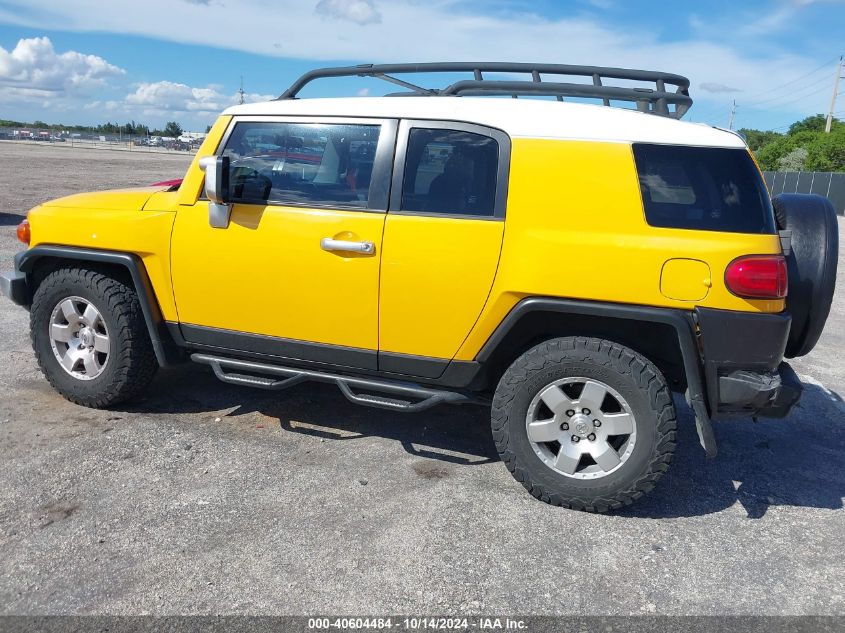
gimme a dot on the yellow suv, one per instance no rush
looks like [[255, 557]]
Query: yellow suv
[[568, 264]]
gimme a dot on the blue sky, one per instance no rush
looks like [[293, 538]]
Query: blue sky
[[86, 61]]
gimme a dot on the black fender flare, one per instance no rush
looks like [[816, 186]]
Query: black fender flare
[[166, 351], [681, 320]]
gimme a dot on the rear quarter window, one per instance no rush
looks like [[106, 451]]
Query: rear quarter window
[[703, 188]]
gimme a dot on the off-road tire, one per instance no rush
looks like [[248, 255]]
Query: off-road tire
[[811, 264], [626, 371], [132, 363]]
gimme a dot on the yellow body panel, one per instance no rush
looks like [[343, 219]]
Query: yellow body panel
[[576, 228], [267, 274], [191, 188], [114, 220], [130, 199], [436, 274]]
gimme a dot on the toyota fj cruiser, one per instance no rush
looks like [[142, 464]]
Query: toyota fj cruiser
[[568, 264]]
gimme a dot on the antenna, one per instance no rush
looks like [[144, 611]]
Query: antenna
[[733, 115], [241, 92]]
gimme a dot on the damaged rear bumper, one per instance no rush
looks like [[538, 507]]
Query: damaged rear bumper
[[769, 394], [743, 363]]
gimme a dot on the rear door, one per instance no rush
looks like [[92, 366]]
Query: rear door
[[442, 240]]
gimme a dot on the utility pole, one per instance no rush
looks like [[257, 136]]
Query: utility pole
[[241, 92], [733, 115], [830, 112]]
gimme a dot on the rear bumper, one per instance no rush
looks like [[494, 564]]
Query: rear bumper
[[744, 371], [13, 285], [770, 394]]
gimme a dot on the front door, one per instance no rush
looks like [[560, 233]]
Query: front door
[[295, 274]]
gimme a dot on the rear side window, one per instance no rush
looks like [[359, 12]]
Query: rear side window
[[703, 188], [450, 172]]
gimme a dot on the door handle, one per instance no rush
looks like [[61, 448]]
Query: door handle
[[329, 244]]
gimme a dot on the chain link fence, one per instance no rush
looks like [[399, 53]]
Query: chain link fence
[[98, 140], [824, 183]]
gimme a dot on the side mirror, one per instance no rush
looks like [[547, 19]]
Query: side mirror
[[216, 170]]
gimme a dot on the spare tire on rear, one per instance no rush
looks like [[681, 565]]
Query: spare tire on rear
[[811, 263]]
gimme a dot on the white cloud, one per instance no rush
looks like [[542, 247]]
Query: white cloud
[[717, 54], [717, 87], [441, 29], [754, 23], [34, 67], [169, 96], [358, 11], [176, 98]]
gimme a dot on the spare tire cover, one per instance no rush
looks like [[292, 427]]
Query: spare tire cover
[[812, 264]]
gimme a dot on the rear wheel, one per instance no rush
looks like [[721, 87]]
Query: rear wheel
[[584, 423], [90, 337]]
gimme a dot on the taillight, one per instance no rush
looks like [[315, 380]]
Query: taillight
[[23, 232], [758, 277]]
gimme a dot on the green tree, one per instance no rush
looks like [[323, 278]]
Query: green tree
[[794, 161], [805, 147], [172, 129], [757, 139], [813, 123], [827, 151], [137, 129], [770, 156]]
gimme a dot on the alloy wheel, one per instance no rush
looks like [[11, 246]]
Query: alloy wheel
[[581, 428]]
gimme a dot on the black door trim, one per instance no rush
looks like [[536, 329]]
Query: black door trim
[[434, 371], [290, 349]]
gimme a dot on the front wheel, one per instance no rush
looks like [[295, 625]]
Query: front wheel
[[90, 337], [584, 423]]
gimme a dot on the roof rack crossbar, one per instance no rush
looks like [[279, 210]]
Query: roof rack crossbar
[[406, 84], [669, 96]]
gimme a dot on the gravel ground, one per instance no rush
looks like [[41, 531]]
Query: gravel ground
[[205, 498]]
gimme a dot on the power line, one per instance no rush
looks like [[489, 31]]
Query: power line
[[715, 112], [801, 97], [710, 112], [753, 104], [780, 127], [797, 79]]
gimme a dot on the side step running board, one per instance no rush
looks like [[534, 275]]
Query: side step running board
[[409, 397]]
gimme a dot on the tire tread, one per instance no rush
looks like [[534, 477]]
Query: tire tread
[[134, 356], [621, 359]]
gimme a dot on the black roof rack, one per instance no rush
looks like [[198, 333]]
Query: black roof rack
[[668, 97]]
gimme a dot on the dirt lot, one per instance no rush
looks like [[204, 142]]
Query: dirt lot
[[208, 498]]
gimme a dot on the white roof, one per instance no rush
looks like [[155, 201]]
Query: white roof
[[525, 118]]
